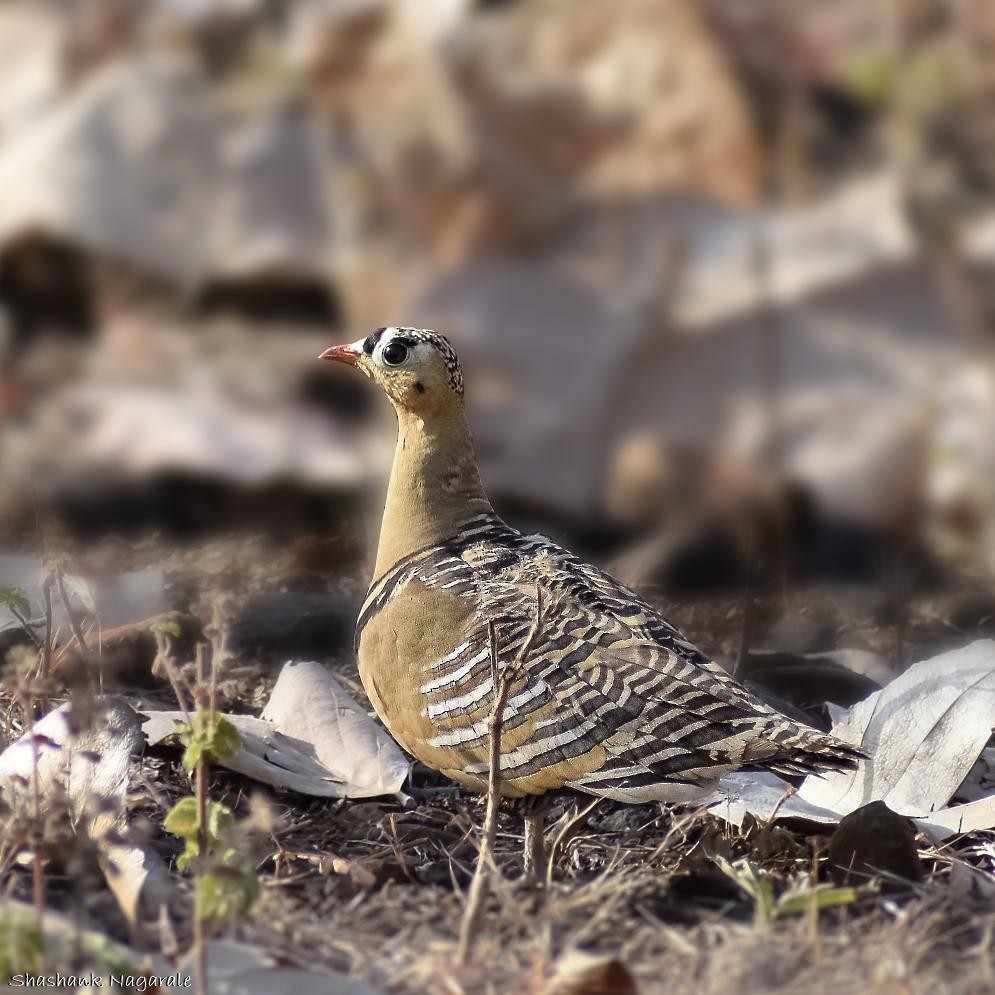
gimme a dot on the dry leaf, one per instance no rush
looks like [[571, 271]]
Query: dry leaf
[[86, 760], [312, 738], [761, 795], [239, 969], [362, 877], [309, 701], [580, 973], [90, 763], [923, 734], [980, 781], [232, 968]]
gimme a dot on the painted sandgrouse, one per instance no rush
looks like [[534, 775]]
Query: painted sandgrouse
[[612, 699]]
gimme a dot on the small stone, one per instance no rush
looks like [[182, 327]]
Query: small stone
[[294, 624], [871, 841], [972, 612], [801, 634]]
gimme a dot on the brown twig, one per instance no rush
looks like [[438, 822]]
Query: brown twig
[[164, 659], [790, 791], [485, 861], [200, 792], [199, 922], [74, 625], [38, 877], [46, 648]]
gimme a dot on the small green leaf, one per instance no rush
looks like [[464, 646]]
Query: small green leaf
[[14, 599], [208, 737], [22, 948], [872, 77], [225, 741], [220, 821], [227, 894], [821, 897], [192, 754], [169, 627], [182, 818], [755, 883]]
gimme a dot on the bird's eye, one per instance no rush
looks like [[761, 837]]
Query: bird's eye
[[394, 353]]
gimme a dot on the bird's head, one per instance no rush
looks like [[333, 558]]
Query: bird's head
[[416, 368]]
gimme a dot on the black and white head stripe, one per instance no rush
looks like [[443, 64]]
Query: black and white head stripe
[[411, 337]]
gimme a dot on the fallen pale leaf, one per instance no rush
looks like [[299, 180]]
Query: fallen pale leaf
[[239, 969], [86, 759], [923, 733], [580, 973], [309, 701], [232, 968], [312, 738]]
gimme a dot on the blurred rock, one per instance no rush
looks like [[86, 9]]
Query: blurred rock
[[125, 168], [579, 972], [541, 416], [873, 841], [134, 433], [294, 625], [612, 96], [800, 634], [807, 682], [137, 172], [493, 132], [124, 655], [272, 224], [657, 480], [962, 479], [865, 459], [109, 600], [680, 565], [29, 65], [412, 159], [972, 612]]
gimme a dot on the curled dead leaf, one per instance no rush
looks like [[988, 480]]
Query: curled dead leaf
[[580, 973]]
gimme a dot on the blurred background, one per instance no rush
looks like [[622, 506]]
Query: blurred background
[[719, 272]]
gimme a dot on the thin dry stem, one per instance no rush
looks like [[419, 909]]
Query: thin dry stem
[[163, 658], [75, 626], [46, 648], [199, 924], [485, 862]]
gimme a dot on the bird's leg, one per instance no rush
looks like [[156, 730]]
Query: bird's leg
[[534, 808]]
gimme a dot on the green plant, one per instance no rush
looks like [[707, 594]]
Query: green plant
[[768, 906], [226, 884], [207, 736], [22, 949], [14, 600]]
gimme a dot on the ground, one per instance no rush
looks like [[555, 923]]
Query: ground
[[376, 888]]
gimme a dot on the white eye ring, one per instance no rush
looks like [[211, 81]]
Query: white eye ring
[[395, 353]]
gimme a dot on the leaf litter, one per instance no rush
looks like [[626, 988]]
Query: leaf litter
[[84, 762], [311, 737], [624, 876], [923, 734]]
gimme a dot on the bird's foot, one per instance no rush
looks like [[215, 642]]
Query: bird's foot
[[536, 858]]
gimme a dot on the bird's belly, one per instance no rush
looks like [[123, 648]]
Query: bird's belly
[[399, 648], [408, 653]]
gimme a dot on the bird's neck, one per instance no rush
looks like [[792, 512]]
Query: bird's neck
[[434, 485]]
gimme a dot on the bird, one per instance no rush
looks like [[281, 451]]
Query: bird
[[605, 696]]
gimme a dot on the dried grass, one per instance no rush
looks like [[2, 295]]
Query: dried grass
[[379, 890]]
